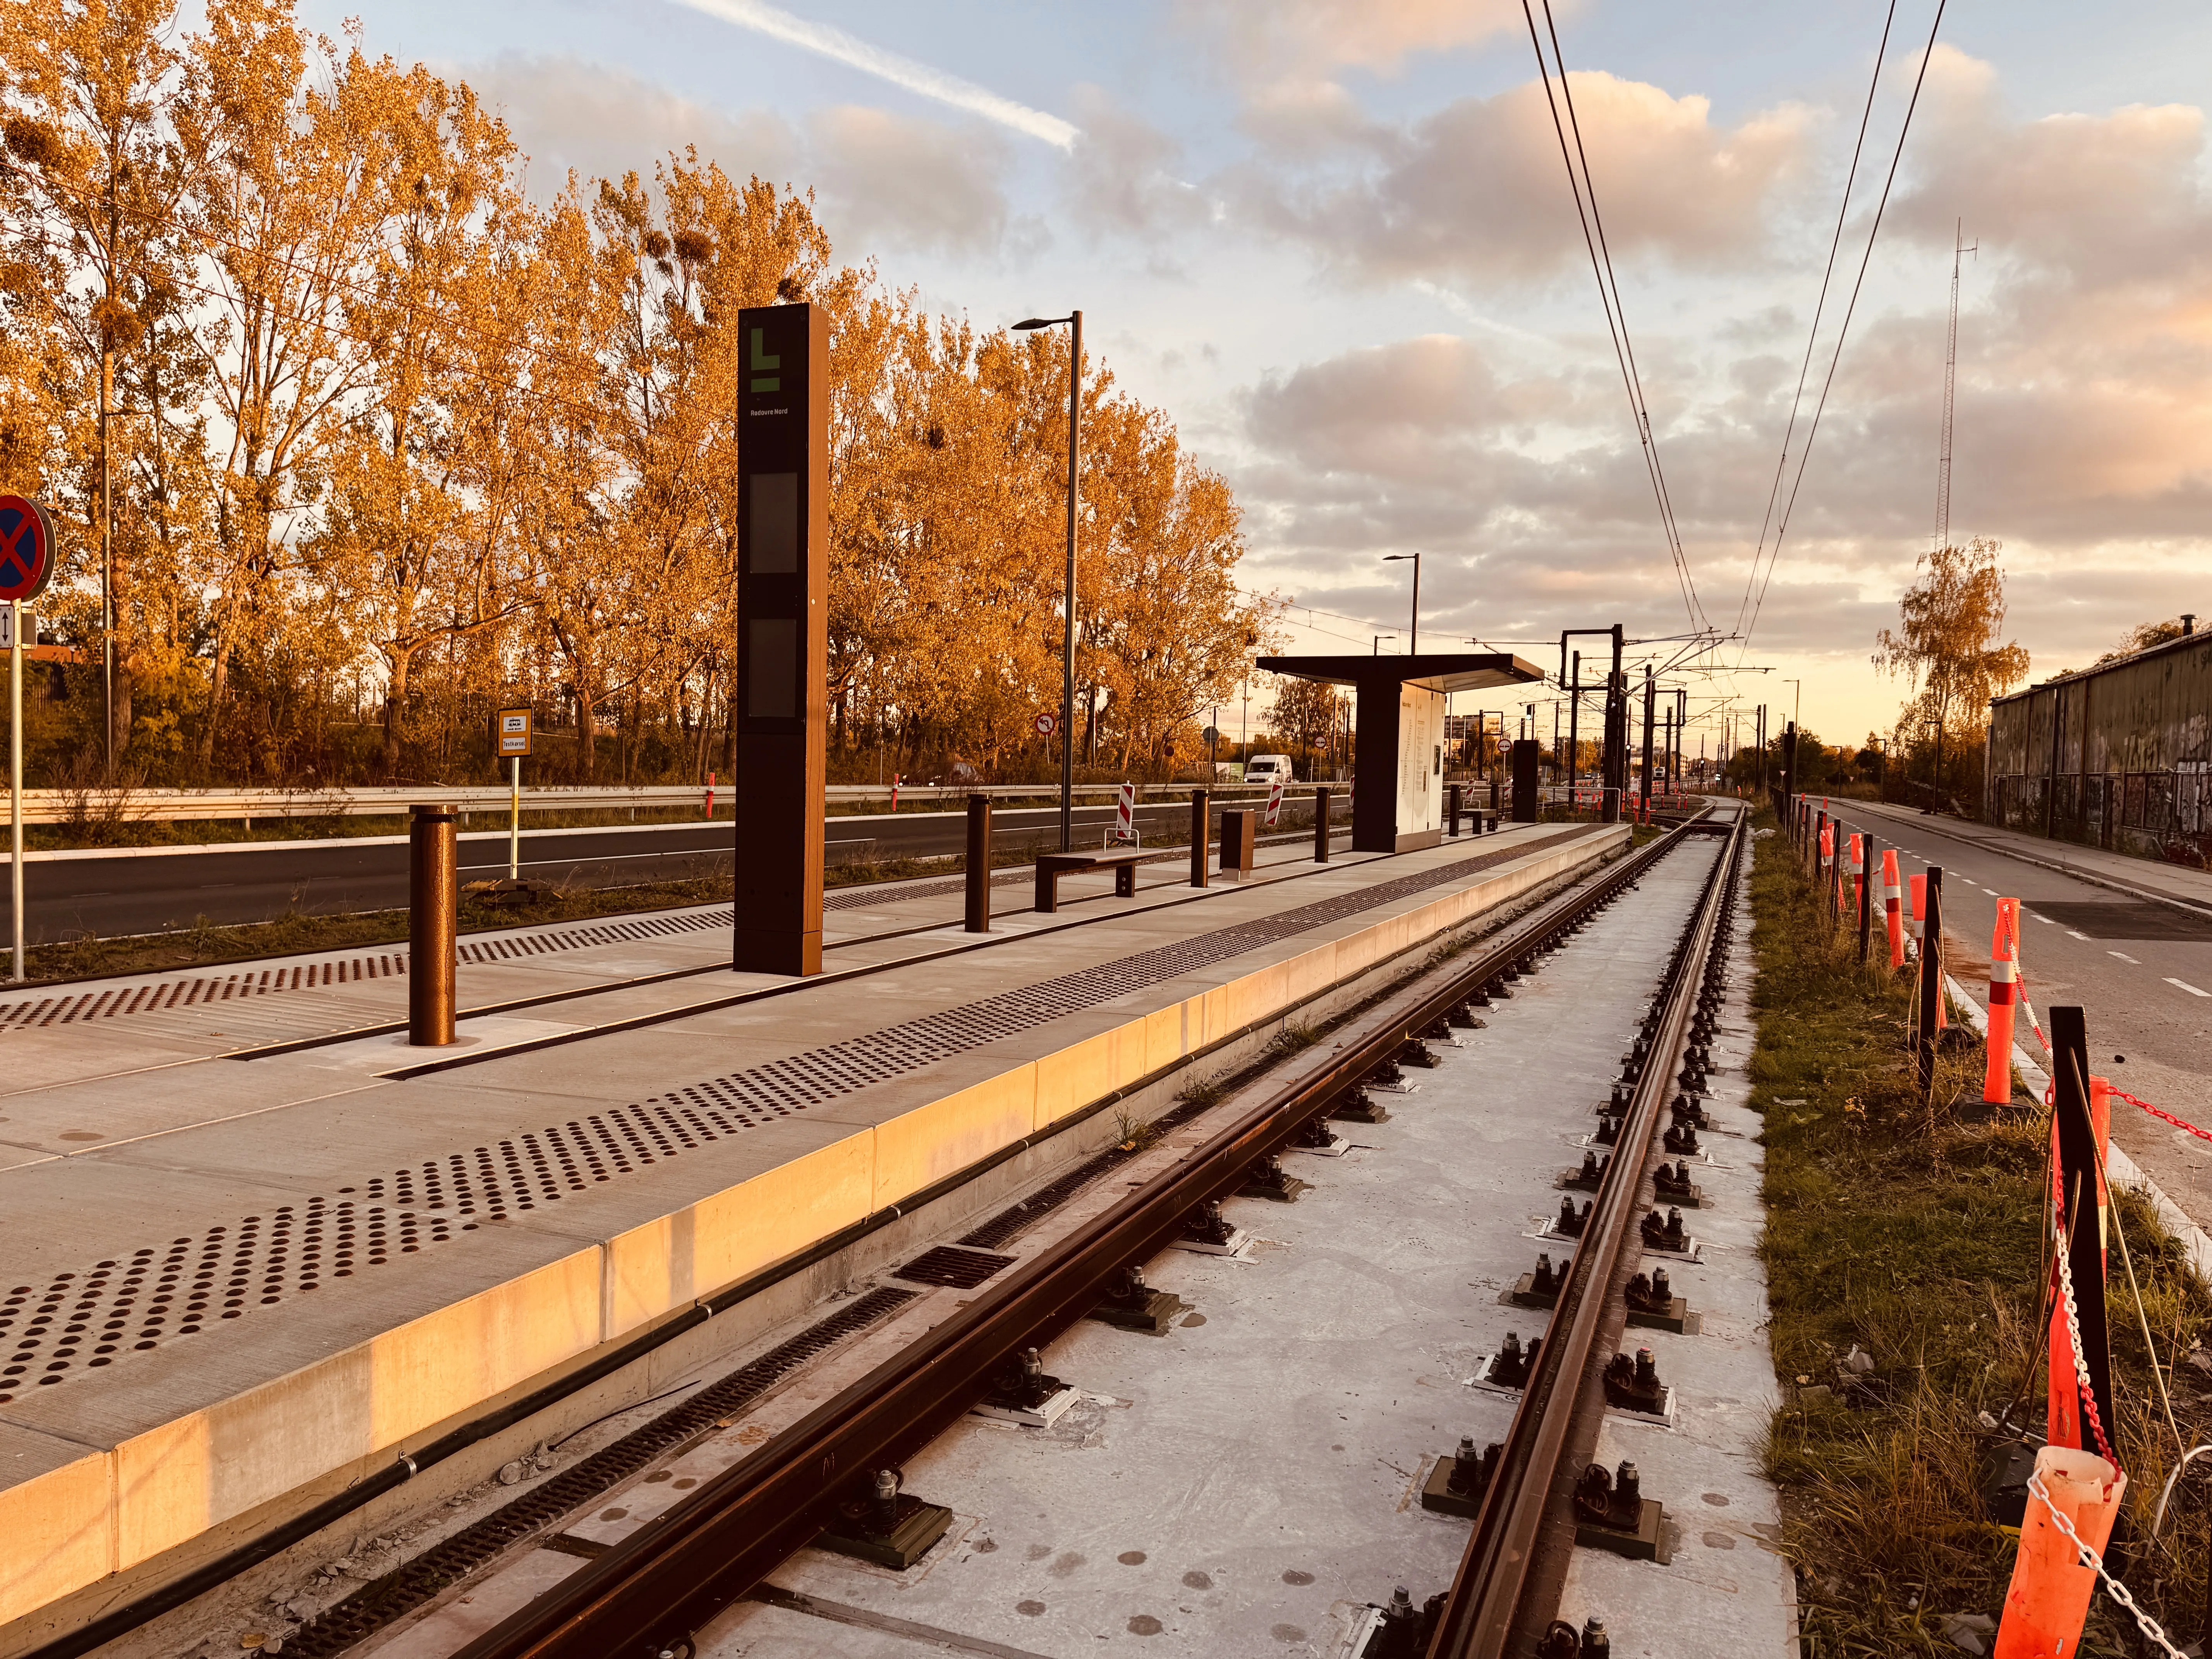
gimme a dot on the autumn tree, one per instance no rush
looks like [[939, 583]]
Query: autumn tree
[[1946, 645]]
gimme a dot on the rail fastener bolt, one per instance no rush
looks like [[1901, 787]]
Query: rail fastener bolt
[[1457, 1481], [1540, 1288], [1132, 1305], [1510, 1365], [1571, 1223], [1681, 1138], [1267, 1179], [1417, 1052], [1561, 1641], [1404, 1631], [1633, 1385], [1592, 1172], [1359, 1107], [883, 1524]]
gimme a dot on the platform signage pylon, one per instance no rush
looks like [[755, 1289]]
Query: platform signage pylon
[[783, 557]]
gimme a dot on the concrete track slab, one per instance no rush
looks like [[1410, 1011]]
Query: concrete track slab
[[1245, 1484]]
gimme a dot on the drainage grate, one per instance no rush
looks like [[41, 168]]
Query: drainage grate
[[948, 1264], [399, 1592], [399, 1213]]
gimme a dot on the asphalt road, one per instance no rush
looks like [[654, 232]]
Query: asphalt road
[[2142, 973], [155, 890]]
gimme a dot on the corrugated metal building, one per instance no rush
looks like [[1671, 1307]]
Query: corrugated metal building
[[2115, 756]]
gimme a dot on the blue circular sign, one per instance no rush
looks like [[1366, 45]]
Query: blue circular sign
[[26, 548]]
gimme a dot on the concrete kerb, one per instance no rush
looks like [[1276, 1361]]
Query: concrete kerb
[[2120, 1169], [789, 1289]]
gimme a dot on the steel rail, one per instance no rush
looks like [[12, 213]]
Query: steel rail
[[650, 1593], [1480, 1610]]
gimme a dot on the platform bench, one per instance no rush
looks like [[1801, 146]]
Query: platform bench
[[1051, 866]]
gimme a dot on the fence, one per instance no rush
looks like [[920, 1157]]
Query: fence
[[133, 805]]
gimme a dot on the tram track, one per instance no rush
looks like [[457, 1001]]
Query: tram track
[[650, 1593]]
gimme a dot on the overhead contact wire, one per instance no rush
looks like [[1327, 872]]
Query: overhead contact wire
[[1843, 328]]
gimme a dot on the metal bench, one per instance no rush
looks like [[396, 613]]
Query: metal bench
[[1051, 866]]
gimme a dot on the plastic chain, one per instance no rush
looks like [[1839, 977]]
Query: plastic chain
[[2160, 1112], [2074, 1335], [2090, 1559]]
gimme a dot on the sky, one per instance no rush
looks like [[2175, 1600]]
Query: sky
[[1333, 239]]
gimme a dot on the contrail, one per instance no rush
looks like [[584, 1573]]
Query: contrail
[[854, 53]]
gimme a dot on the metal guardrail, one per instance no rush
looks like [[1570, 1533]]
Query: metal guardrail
[[141, 805]]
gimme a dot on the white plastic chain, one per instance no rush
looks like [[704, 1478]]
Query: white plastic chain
[[2113, 1587], [2073, 1336]]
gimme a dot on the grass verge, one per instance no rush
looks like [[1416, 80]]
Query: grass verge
[[1910, 1233]]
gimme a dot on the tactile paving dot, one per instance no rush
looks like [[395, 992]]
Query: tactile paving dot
[[193, 1284]]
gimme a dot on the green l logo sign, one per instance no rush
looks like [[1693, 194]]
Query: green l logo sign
[[761, 360]]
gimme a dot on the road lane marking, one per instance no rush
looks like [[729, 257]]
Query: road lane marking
[[2187, 987], [2070, 934], [2045, 920], [2123, 956]]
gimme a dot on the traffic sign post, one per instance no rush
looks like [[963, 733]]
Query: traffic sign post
[[513, 734], [1046, 725], [27, 565]]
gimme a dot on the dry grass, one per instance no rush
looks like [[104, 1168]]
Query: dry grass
[[1906, 1226]]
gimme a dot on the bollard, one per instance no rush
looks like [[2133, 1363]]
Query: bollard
[[1238, 838], [1893, 904], [1321, 826], [2004, 982], [979, 864], [1452, 795], [1198, 837], [1866, 897], [433, 922], [2048, 1602], [1929, 892]]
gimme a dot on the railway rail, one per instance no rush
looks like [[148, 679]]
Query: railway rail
[[650, 1594]]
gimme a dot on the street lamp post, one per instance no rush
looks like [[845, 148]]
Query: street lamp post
[[1074, 320], [1414, 629]]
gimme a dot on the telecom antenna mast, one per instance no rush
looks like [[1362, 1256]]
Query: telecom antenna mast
[[1950, 381]]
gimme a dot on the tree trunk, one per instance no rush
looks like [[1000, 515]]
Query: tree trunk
[[395, 704], [587, 745]]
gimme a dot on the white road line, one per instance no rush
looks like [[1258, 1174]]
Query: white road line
[[2187, 987], [2123, 956], [2045, 920], [2070, 934]]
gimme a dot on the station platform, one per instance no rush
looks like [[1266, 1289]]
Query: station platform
[[258, 1249]]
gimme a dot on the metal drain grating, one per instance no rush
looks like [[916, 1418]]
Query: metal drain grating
[[399, 1592], [418, 1204], [948, 1264]]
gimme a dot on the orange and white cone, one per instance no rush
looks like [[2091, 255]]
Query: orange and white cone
[[1918, 887], [1893, 905], [1858, 871], [2004, 991], [2048, 1601]]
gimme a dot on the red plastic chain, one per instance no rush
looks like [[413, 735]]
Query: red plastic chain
[[2160, 1112]]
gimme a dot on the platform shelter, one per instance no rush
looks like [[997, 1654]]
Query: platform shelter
[[1398, 712]]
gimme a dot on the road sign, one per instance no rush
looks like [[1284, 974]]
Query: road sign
[[513, 731], [7, 615], [1046, 725], [26, 548]]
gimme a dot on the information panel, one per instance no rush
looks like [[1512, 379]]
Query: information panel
[[783, 554]]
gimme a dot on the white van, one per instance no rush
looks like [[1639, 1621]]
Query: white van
[[1266, 768]]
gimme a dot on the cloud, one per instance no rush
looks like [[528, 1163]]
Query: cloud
[[1268, 38], [565, 113], [921, 79], [912, 184], [1122, 174], [1479, 189]]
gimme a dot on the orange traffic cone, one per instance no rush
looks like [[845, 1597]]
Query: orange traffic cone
[[2048, 1602], [1858, 871], [2004, 989], [1893, 905]]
